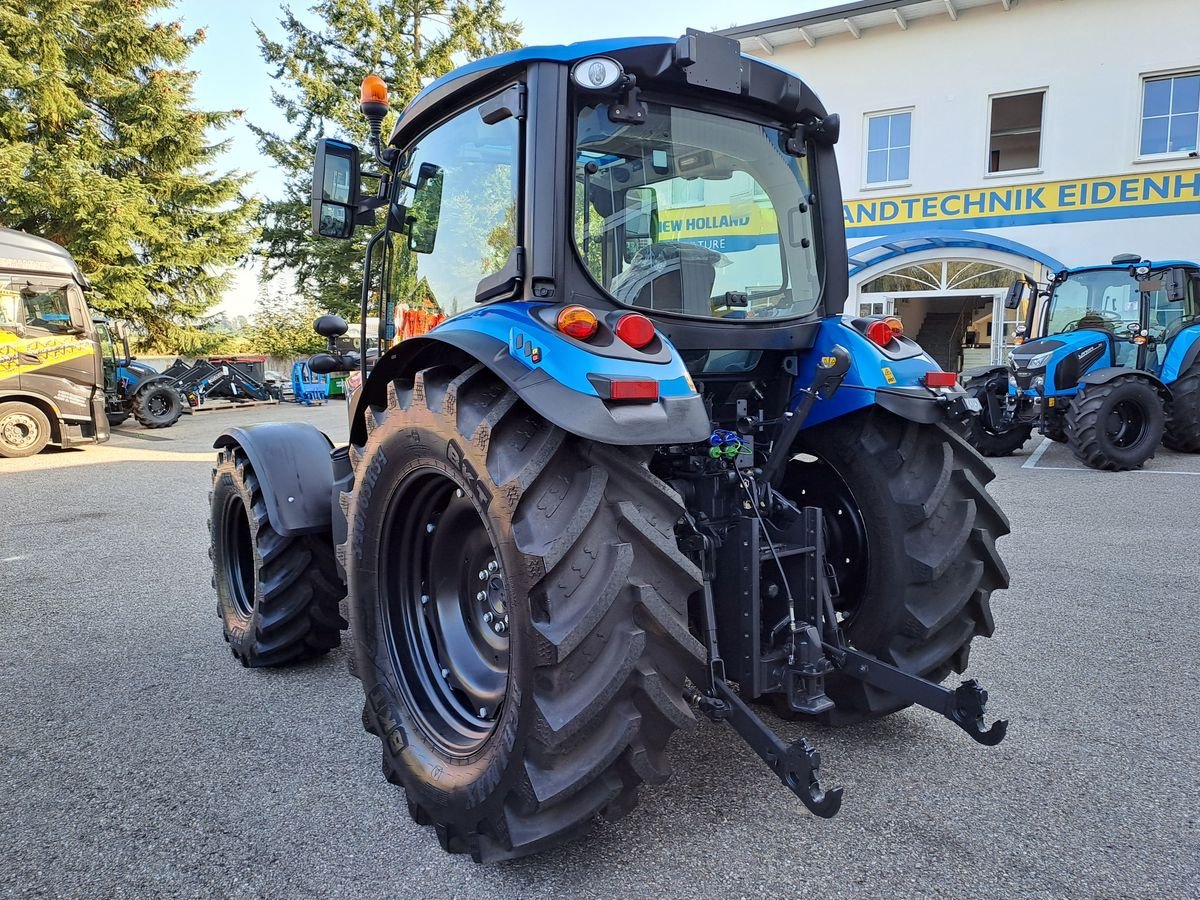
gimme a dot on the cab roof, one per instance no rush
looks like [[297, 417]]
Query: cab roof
[[1152, 263], [28, 254]]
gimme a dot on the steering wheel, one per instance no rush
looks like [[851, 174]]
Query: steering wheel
[[1096, 318]]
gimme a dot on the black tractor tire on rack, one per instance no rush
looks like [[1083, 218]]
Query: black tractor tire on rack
[[983, 435], [911, 536], [470, 510], [157, 406], [1183, 412], [1117, 425], [24, 430], [277, 595]]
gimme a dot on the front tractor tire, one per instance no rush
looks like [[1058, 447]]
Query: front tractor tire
[[1117, 425], [989, 438], [157, 406], [519, 609], [277, 595], [911, 533]]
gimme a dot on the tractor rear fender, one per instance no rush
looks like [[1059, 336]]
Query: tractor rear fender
[[292, 463], [1102, 376], [562, 388], [982, 371], [146, 381]]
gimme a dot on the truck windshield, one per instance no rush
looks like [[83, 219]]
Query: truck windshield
[[1109, 300], [695, 214]]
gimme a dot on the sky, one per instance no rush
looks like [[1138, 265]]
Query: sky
[[233, 75]]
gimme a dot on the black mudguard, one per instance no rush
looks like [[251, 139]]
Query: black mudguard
[[146, 381], [294, 470], [1102, 376], [979, 371], [672, 420]]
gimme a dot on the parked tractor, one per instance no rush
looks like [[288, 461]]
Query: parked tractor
[[1113, 371], [51, 377], [134, 388], [644, 468]]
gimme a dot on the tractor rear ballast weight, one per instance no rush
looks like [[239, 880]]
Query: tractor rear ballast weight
[[645, 466]]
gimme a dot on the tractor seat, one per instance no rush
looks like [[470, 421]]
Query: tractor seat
[[669, 277]]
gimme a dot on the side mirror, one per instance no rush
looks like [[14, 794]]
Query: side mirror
[[335, 187], [1012, 300], [325, 364], [1177, 284], [330, 326], [426, 209]]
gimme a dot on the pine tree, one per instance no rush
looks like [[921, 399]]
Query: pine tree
[[407, 42], [103, 151]]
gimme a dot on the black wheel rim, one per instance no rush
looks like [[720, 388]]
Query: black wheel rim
[[19, 431], [1126, 424], [239, 556], [158, 405], [813, 482], [446, 612]]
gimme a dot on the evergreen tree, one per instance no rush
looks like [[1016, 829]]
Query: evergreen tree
[[320, 67], [103, 151]]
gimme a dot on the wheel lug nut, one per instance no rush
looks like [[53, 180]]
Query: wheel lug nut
[[424, 599], [429, 528], [458, 492], [482, 575], [445, 673], [493, 566], [483, 712], [500, 627], [487, 617], [481, 596]]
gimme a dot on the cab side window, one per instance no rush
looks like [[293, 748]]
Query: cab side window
[[34, 306], [460, 219]]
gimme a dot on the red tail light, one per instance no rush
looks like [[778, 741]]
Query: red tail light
[[635, 330], [940, 379], [879, 332]]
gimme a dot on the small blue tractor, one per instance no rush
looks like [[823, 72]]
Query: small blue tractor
[[1114, 372], [645, 467], [131, 387]]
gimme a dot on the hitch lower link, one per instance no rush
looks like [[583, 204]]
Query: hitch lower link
[[798, 764]]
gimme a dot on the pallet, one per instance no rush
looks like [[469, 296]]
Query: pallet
[[213, 405]]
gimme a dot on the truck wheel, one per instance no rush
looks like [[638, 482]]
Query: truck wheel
[[911, 534], [277, 596], [988, 438], [1183, 416], [24, 430], [1116, 425], [519, 609], [157, 406]]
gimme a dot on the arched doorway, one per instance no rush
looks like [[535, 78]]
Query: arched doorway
[[948, 288]]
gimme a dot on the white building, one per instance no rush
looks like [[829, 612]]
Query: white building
[[985, 138]]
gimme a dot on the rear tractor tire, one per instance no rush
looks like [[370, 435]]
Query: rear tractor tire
[[519, 609], [1183, 414], [157, 406], [1117, 425], [986, 437], [24, 430], [911, 533], [277, 596]]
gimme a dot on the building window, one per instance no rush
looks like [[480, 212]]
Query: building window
[[888, 142], [1015, 133], [1170, 114]]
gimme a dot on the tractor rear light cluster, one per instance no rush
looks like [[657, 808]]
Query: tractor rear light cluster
[[635, 330], [940, 379], [882, 331], [644, 389], [578, 322]]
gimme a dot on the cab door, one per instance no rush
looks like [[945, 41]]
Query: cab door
[[58, 353]]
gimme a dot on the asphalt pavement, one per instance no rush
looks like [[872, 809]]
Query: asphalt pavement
[[138, 760]]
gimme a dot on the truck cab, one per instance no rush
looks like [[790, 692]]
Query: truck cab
[[51, 369]]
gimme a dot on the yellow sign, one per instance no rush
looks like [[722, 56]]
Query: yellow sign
[[725, 227], [888, 375], [1115, 197]]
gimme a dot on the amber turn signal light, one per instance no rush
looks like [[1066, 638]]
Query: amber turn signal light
[[578, 322]]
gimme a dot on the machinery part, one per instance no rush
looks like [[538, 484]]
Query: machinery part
[[157, 405], [1183, 412], [511, 739], [116, 418], [1115, 425], [986, 430], [276, 595], [297, 495], [911, 536], [24, 430], [1054, 426]]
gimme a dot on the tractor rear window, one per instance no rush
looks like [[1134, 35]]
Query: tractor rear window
[[694, 214]]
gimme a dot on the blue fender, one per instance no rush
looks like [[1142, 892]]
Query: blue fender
[[875, 378], [1184, 350], [560, 378], [292, 463]]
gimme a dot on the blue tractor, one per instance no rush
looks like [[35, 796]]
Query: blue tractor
[[645, 468], [1114, 372], [133, 388]]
